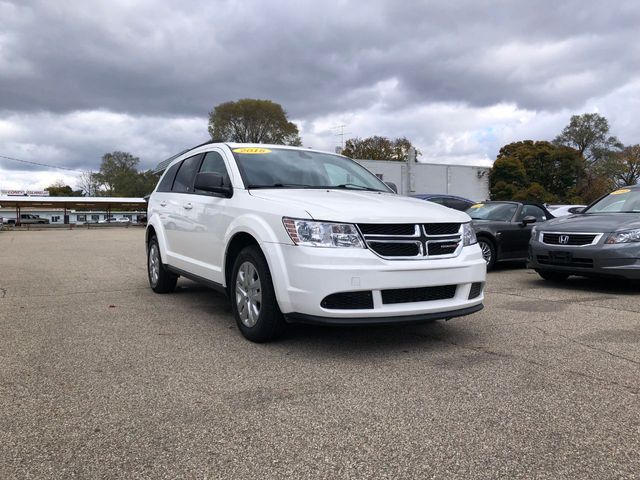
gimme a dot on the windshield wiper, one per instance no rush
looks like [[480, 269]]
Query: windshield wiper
[[354, 186], [281, 185]]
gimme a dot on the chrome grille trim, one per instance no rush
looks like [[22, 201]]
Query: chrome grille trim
[[419, 238], [596, 238]]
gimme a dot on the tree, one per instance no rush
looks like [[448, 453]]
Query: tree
[[539, 171], [120, 177], [252, 121], [623, 168], [378, 148], [89, 183], [589, 134], [60, 189]]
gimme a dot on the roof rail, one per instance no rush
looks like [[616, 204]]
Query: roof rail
[[162, 166]]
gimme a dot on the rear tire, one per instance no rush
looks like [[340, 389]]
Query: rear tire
[[160, 279], [253, 298], [553, 276]]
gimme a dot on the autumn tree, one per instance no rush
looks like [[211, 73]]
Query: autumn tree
[[623, 168], [378, 148], [252, 121], [537, 171], [88, 183]]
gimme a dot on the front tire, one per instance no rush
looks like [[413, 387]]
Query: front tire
[[553, 276], [488, 252], [160, 279], [253, 298]]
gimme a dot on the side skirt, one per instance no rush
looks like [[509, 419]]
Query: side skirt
[[198, 279]]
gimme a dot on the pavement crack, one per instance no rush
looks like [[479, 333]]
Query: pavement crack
[[3, 292]]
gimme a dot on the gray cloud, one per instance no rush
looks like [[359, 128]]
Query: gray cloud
[[80, 78]]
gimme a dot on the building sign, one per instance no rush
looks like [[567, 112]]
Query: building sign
[[25, 193]]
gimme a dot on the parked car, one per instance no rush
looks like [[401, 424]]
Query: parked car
[[604, 240], [451, 201], [565, 210], [29, 219], [298, 235], [503, 229]]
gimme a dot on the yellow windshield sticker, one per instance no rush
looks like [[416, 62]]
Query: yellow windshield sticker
[[252, 150], [477, 205], [621, 191]]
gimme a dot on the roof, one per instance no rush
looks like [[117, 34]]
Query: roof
[[72, 202]]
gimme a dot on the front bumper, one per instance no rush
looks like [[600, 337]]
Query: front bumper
[[600, 260], [304, 276]]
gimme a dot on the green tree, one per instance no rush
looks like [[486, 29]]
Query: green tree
[[623, 168], [119, 176], [252, 121], [589, 134], [60, 189], [378, 148], [538, 171]]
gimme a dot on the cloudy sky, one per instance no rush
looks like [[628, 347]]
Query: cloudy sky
[[458, 78]]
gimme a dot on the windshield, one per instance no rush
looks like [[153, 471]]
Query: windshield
[[502, 212], [625, 200], [285, 168]]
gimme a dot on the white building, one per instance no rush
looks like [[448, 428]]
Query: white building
[[467, 181]]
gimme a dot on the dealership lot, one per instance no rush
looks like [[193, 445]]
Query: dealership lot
[[102, 378]]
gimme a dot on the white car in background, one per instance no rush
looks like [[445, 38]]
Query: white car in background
[[565, 210]]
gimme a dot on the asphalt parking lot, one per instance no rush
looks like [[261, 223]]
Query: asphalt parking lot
[[101, 378]]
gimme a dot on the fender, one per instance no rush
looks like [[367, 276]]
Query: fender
[[155, 222]]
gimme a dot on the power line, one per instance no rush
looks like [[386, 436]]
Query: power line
[[39, 164]]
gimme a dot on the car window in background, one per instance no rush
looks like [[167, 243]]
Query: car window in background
[[459, 204], [532, 211], [185, 177], [624, 200], [502, 212]]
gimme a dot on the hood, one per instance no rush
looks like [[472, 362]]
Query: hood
[[594, 223], [355, 206]]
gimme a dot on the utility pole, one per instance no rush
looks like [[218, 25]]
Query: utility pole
[[341, 134]]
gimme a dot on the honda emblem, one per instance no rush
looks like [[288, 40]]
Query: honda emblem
[[563, 239]]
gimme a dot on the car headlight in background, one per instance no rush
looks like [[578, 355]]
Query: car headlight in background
[[322, 234], [626, 236], [468, 235]]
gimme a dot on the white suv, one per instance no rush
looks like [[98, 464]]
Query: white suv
[[297, 235]]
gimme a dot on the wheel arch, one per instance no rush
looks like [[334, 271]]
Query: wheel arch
[[237, 242]]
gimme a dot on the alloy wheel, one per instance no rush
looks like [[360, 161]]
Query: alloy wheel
[[248, 294]]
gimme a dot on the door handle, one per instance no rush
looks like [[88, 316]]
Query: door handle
[[163, 204], [187, 206]]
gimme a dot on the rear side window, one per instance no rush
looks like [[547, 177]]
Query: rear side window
[[186, 175], [533, 211], [167, 180]]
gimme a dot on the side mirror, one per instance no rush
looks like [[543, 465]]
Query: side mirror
[[212, 182], [528, 220], [392, 186], [577, 210]]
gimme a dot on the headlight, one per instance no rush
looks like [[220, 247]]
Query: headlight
[[534, 231], [322, 234], [627, 236], [468, 235]]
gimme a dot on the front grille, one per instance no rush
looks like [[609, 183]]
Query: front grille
[[441, 228], [565, 262], [348, 300], [395, 249], [476, 290], [574, 239], [407, 240], [442, 248], [389, 229], [422, 294]]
